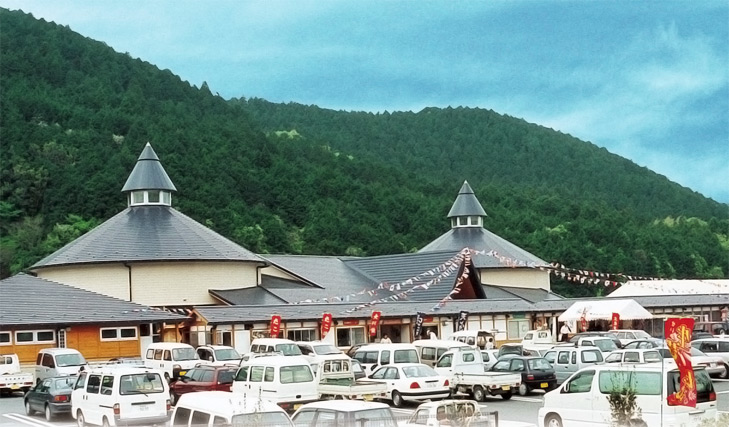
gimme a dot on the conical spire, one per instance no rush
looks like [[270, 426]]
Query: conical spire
[[149, 184], [466, 203]]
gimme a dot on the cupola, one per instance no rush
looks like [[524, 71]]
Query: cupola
[[466, 210], [148, 184]]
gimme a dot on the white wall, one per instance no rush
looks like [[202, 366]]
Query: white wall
[[518, 277]]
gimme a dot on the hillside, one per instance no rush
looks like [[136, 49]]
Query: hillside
[[76, 114]]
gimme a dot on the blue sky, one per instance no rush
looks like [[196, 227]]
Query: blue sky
[[648, 80]]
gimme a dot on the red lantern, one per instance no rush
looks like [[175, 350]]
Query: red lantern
[[275, 325], [326, 324], [374, 322]]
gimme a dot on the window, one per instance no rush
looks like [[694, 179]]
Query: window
[[158, 354], [34, 337], [468, 357], [564, 357], [301, 334], [580, 383], [614, 358], [420, 417], [517, 328], [632, 356], [406, 356], [296, 374], [93, 384], [182, 416], [107, 385], [200, 418], [62, 338], [118, 334], [137, 197], [153, 197], [385, 357], [207, 375], [428, 353], [80, 382], [517, 365], [268, 376], [48, 361], [242, 374], [643, 383], [366, 356], [347, 337], [257, 374], [591, 356], [166, 197], [445, 361], [4, 338]]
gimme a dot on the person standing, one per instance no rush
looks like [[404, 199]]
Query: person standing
[[564, 332], [385, 339], [432, 335]]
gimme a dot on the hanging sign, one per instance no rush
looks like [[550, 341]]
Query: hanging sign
[[678, 340], [326, 324], [275, 325], [462, 321], [615, 323], [374, 322], [418, 324]]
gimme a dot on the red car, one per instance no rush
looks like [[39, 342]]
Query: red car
[[203, 378]]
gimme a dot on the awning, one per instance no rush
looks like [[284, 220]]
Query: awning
[[603, 309]]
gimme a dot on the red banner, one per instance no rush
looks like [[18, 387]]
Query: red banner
[[374, 322], [326, 324], [275, 325], [678, 340], [616, 321]]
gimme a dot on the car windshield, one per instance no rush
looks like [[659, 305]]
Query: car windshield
[[642, 335], [70, 360], [510, 349], [539, 364], [65, 383], [273, 419], [227, 354], [180, 354], [605, 344], [289, 349], [326, 349], [381, 417], [142, 383], [406, 356], [419, 371]]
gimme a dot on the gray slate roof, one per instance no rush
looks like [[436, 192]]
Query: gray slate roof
[[148, 173], [466, 203], [30, 301], [480, 239], [148, 233], [248, 314]]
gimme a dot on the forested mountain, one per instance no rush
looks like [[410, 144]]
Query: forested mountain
[[300, 179]]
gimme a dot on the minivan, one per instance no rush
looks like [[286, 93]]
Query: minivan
[[275, 345], [372, 356], [475, 337], [172, 358], [285, 380], [568, 359], [58, 362], [583, 398], [117, 395], [430, 351], [220, 408], [715, 347]]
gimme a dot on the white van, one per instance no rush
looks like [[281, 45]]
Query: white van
[[317, 352], [285, 380], [475, 337], [116, 395], [430, 351], [583, 398], [58, 362], [222, 408], [172, 358], [568, 359], [275, 345], [372, 356]]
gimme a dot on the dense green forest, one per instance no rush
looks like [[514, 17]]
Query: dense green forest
[[289, 178]]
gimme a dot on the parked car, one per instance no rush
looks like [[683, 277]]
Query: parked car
[[275, 345], [628, 355], [645, 343], [12, 378], [714, 365], [218, 354], [576, 337], [412, 381], [480, 338], [697, 335], [203, 378], [344, 413], [451, 412], [489, 358], [52, 396], [567, 359], [582, 399], [219, 408], [172, 358], [57, 362], [372, 356], [350, 352], [357, 370], [286, 380], [536, 372], [627, 335], [605, 344], [430, 351], [715, 347], [317, 352], [511, 349]]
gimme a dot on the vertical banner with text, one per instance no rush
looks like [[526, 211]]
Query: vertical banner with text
[[462, 321], [326, 324], [275, 325], [374, 322], [418, 329], [678, 340], [615, 323]]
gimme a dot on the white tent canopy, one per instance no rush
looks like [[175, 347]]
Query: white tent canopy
[[603, 309]]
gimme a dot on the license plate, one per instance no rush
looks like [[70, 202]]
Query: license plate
[[429, 385], [143, 408], [182, 373], [368, 397], [544, 385], [15, 386], [506, 387], [297, 406]]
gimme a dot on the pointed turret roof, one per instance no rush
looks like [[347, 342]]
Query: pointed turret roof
[[148, 173], [466, 203]]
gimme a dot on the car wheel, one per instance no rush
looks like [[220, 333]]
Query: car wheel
[[479, 395], [28, 409], [397, 399], [553, 421], [105, 422], [48, 413], [523, 389], [80, 420], [506, 396]]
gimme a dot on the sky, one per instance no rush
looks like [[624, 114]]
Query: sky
[[647, 80]]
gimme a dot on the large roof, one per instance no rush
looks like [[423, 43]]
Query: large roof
[[148, 233], [148, 173], [480, 239], [634, 288], [30, 301]]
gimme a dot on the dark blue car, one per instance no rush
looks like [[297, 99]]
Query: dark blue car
[[52, 396]]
